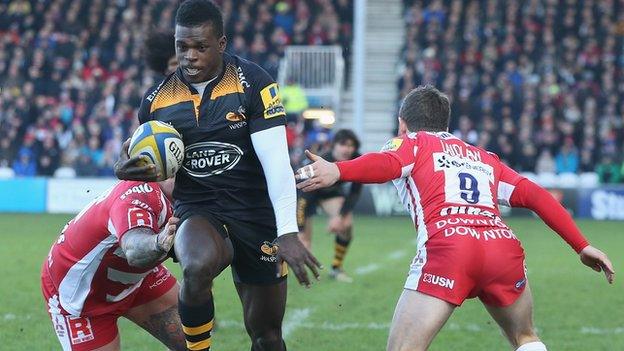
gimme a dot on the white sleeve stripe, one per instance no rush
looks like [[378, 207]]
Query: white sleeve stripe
[[407, 170], [272, 149], [504, 193]]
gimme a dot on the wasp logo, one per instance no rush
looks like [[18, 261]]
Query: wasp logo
[[269, 248], [237, 116]]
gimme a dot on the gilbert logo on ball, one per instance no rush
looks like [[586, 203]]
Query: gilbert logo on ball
[[162, 145]]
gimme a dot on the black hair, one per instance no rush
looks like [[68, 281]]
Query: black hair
[[426, 109], [158, 49], [193, 13], [344, 135]]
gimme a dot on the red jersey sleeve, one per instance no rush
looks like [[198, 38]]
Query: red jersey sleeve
[[507, 183], [139, 206], [395, 160]]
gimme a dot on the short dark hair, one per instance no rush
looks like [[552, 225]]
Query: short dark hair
[[426, 109], [158, 49], [344, 135], [193, 13]]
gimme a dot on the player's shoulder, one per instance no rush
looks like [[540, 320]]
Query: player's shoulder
[[147, 195], [400, 141], [250, 74]]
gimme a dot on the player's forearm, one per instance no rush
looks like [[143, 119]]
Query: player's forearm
[[272, 150], [374, 167], [530, 195], [140, 248]]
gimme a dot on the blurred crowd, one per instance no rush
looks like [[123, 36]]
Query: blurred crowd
[[539, 82], [72, 72]]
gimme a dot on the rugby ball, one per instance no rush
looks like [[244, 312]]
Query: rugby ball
[[162, 145]]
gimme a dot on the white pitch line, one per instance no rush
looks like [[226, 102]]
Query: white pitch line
[[397, 255], [295, 319], [602, 331], [369, 268]]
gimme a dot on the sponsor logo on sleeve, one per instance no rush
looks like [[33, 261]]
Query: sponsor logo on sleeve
[[138, 217], [271, 101], [392, 144]]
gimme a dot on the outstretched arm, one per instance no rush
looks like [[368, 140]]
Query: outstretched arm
[[530, 195], [374, 167]]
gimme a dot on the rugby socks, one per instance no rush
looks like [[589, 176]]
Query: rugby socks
[[340, 250], [532, 346], [197, 323]]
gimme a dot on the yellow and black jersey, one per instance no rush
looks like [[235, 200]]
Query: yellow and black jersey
[[221, 170]]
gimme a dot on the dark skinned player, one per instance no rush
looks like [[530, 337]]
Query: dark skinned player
[[235, 194]]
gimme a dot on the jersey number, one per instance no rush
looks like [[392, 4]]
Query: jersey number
[[469, 188]]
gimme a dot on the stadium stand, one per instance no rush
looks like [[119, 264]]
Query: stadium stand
[[537, 82], [72, 74]]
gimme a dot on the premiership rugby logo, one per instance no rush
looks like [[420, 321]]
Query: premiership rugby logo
[[211, 158]]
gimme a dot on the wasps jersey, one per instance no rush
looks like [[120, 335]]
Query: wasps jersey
[[221, 170]]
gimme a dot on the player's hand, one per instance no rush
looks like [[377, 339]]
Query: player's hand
[[166, 237], [136, 168], [291, 250], [319, 174], [336, 225], [598, 261]]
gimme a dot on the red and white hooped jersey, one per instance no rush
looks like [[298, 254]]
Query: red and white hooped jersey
[[86, 264], [446, 183]]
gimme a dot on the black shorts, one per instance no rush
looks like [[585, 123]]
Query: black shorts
[[307, 203], [255, 260]]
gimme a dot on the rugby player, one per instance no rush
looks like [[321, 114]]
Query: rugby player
[[335, 203], [159, 52], [235, 194], [464, 250], [106, 264]]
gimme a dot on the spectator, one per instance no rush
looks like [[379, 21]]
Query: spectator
[[567, 160], [544, 71], [25, 165], [75, 70], [545, 162], [609, 171]]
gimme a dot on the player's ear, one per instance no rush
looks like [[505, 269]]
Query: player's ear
[[402, 126], [222, 44]]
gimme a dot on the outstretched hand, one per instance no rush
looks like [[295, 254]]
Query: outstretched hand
[[319, 174], [598, 261], [135, 168], [291, 250]]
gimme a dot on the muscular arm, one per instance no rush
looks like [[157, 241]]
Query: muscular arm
[[530, 195], [141, 248]]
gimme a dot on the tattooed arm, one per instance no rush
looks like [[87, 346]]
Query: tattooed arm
[[144, 249]]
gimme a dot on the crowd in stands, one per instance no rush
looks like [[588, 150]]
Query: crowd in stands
[[72, 72], [539, 82]]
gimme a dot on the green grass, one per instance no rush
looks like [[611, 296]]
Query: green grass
[[568, 297]]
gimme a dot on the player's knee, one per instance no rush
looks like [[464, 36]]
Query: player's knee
[[268, 339], [198, 274]]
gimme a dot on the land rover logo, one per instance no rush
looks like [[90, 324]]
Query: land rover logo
[[210, 158]]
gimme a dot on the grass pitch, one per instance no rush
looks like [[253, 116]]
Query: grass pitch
[[575, 309]]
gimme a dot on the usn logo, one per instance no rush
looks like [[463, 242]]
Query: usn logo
[[211, 158], [437, 280]]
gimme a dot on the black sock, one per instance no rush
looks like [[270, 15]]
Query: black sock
[[197, 322], [340, 250]]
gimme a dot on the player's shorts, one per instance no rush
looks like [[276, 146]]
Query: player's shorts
[[460, 263], [307, 203], [83, 333], [255, 256]]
